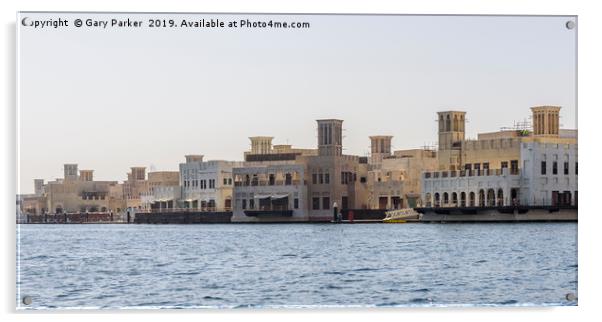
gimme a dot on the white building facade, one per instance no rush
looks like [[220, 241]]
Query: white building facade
[[548, 177], [549, 174], [206, 185]]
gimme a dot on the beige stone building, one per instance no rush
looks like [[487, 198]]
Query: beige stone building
[[135, 187], [79, 192], [394, 178], [325, 176]]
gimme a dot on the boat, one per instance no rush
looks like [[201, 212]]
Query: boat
[[400, 216]]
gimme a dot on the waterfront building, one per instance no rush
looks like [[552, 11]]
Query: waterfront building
[[270, 191], [206, 185], [394, 179], [324, 177], [271, 184], [534, 165], [80, 193], [135, 187], [32, 204], [163, 190]]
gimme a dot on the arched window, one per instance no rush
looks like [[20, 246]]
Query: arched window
[[448, 124]]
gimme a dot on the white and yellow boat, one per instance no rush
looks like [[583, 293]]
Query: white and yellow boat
[[400, 216]]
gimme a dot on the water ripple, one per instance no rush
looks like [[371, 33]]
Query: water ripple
[[252, 266]]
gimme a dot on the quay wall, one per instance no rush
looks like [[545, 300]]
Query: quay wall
[[188, 217], [73, 218], [497, 214]]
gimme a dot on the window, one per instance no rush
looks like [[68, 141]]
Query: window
[[314, 178], [363, 179], [321, 178], [566, 168], [514, 167], [315, 203], [327, 178], [225, 181], [554, 167], [326, 203], [486, 166], [296, 203], [504, 164], [230, 181], [575, 167], [467, 166], [244, 204], [251, 203], [543, 167]]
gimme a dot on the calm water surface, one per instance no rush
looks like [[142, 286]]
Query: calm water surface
[[111, 266]]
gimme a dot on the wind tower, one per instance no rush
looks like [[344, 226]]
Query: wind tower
[[330, 137], [451, 136]]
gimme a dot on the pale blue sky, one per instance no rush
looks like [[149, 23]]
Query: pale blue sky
[[115, 98]]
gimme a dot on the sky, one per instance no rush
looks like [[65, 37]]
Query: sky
[[109, 99]]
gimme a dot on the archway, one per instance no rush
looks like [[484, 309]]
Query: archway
[[471, 198], [481, 198], [514, 196], [455, 199], [445, 198], [490, 197], [500, 197], [428, 200], [463, 199], [437, 200]]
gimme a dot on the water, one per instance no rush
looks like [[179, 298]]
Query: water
[[191, 266]]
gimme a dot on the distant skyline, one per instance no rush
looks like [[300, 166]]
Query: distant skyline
[[109, 99]]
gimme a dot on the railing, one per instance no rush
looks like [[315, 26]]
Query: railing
[[267, 183], [471, 173], [273, 208], [204, 209]]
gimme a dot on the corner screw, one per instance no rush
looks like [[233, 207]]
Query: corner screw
[[27, 300], [570, 24], [571, 297]]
